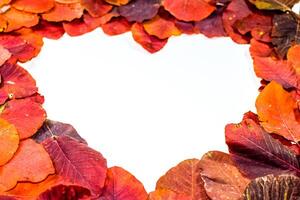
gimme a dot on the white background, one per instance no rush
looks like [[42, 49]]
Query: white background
[[146, 112]]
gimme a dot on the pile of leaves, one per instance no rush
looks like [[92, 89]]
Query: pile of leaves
[[44, 159]]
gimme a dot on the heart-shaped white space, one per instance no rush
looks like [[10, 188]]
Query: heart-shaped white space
[[146, 112]]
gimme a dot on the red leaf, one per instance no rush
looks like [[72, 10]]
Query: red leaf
[[121, 185], [256, 153], [150, 43], [26, 115], [77, 163], [189, 10], [96, 8], [16, 82], [116, 26], [49, 30]]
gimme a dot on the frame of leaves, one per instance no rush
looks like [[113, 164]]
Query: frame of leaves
[[264, 159]]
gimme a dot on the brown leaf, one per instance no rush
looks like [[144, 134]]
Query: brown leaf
[[184, 179], [274, 188], [53, 129], [222, 179]]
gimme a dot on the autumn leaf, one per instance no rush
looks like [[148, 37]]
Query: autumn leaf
[[212, 26], [77, 163], [121, 185], [148, 42], [273, 187], [222, 179], [256, 153], [161, 27], [285, 32], [23, 44], [49, 30], [184, 179], [9, 141], [189, 10], [162, 194], [27, 116], [116, 26], [275, 108], [81, 26], [272, 69], [96, 8], [16, 19], [16, 82], [54, 129], [64, 12], [33, 6], [236, 11], [283, 5], [31, 163], [139, 10]]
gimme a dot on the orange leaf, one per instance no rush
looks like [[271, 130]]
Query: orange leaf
[[26, 115], [184, 179], [161, 28], [31, 163], [16, 19], [121, 185], [275, 108], [9, 141], [294, 57], [189, 10], [64, 12], [118, 2], [162, 194], [33, 6], [150, 43]]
